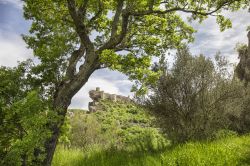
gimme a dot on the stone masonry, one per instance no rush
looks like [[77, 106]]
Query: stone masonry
[[97, 95]]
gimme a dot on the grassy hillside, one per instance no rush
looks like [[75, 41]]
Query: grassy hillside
[[225, 152], [120, 125], [122, 134]]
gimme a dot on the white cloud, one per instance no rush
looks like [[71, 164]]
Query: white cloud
[[210, 40], [13, 49], [124, 87], [17, 3]]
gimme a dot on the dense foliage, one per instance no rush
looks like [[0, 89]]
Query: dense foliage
[[23, 131], [23, 117], [117, 125], [197, 97]]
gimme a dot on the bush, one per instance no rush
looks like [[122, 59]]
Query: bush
[[27, 119], [149, 141], [118, 125], [222, 134], [190, 99]]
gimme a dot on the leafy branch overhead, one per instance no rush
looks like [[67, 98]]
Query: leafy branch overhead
[[73, 34]]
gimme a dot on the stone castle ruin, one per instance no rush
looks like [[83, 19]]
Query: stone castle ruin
[[97, 95]]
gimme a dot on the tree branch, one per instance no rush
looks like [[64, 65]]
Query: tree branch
[[83, 9], [116, 39], [75, 57], [99, 12], [116, 18], [80, 27], [183, 9]]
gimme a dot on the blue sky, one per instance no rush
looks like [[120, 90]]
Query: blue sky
[[209, 40]]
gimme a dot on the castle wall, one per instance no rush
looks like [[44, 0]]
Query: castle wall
[[97, 95]]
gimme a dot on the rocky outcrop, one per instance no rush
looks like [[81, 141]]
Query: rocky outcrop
[[97, 95], [243, 68]]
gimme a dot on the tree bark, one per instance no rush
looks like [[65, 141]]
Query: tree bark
[[51, 143], [62, 100]]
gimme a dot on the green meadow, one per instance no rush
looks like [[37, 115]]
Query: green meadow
[[230, 151]]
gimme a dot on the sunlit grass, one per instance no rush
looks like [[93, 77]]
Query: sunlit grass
[[68, 157], [225, 152]]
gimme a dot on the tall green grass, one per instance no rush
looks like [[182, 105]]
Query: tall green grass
[[225, 152]]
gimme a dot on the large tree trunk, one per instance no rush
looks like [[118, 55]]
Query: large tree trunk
[[61, 102], [61, 108]]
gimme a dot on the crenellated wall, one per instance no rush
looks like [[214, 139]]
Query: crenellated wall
[[97, 95]]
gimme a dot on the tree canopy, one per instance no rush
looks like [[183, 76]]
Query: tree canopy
[[69, 36]]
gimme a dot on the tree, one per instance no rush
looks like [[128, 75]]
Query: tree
[[10, 91], [242, 71], [74, 38], [190, 99], [24, 131], [23, 117]]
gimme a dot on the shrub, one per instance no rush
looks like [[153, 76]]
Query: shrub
[[118, 125], [222, 134], [190, 99], [27, 119]]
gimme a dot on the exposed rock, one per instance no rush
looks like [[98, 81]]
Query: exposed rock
[[243, 68], [97, 95], [71, 114]]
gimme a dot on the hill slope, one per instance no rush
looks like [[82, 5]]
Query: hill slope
[[123, 125], [123, 134]]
